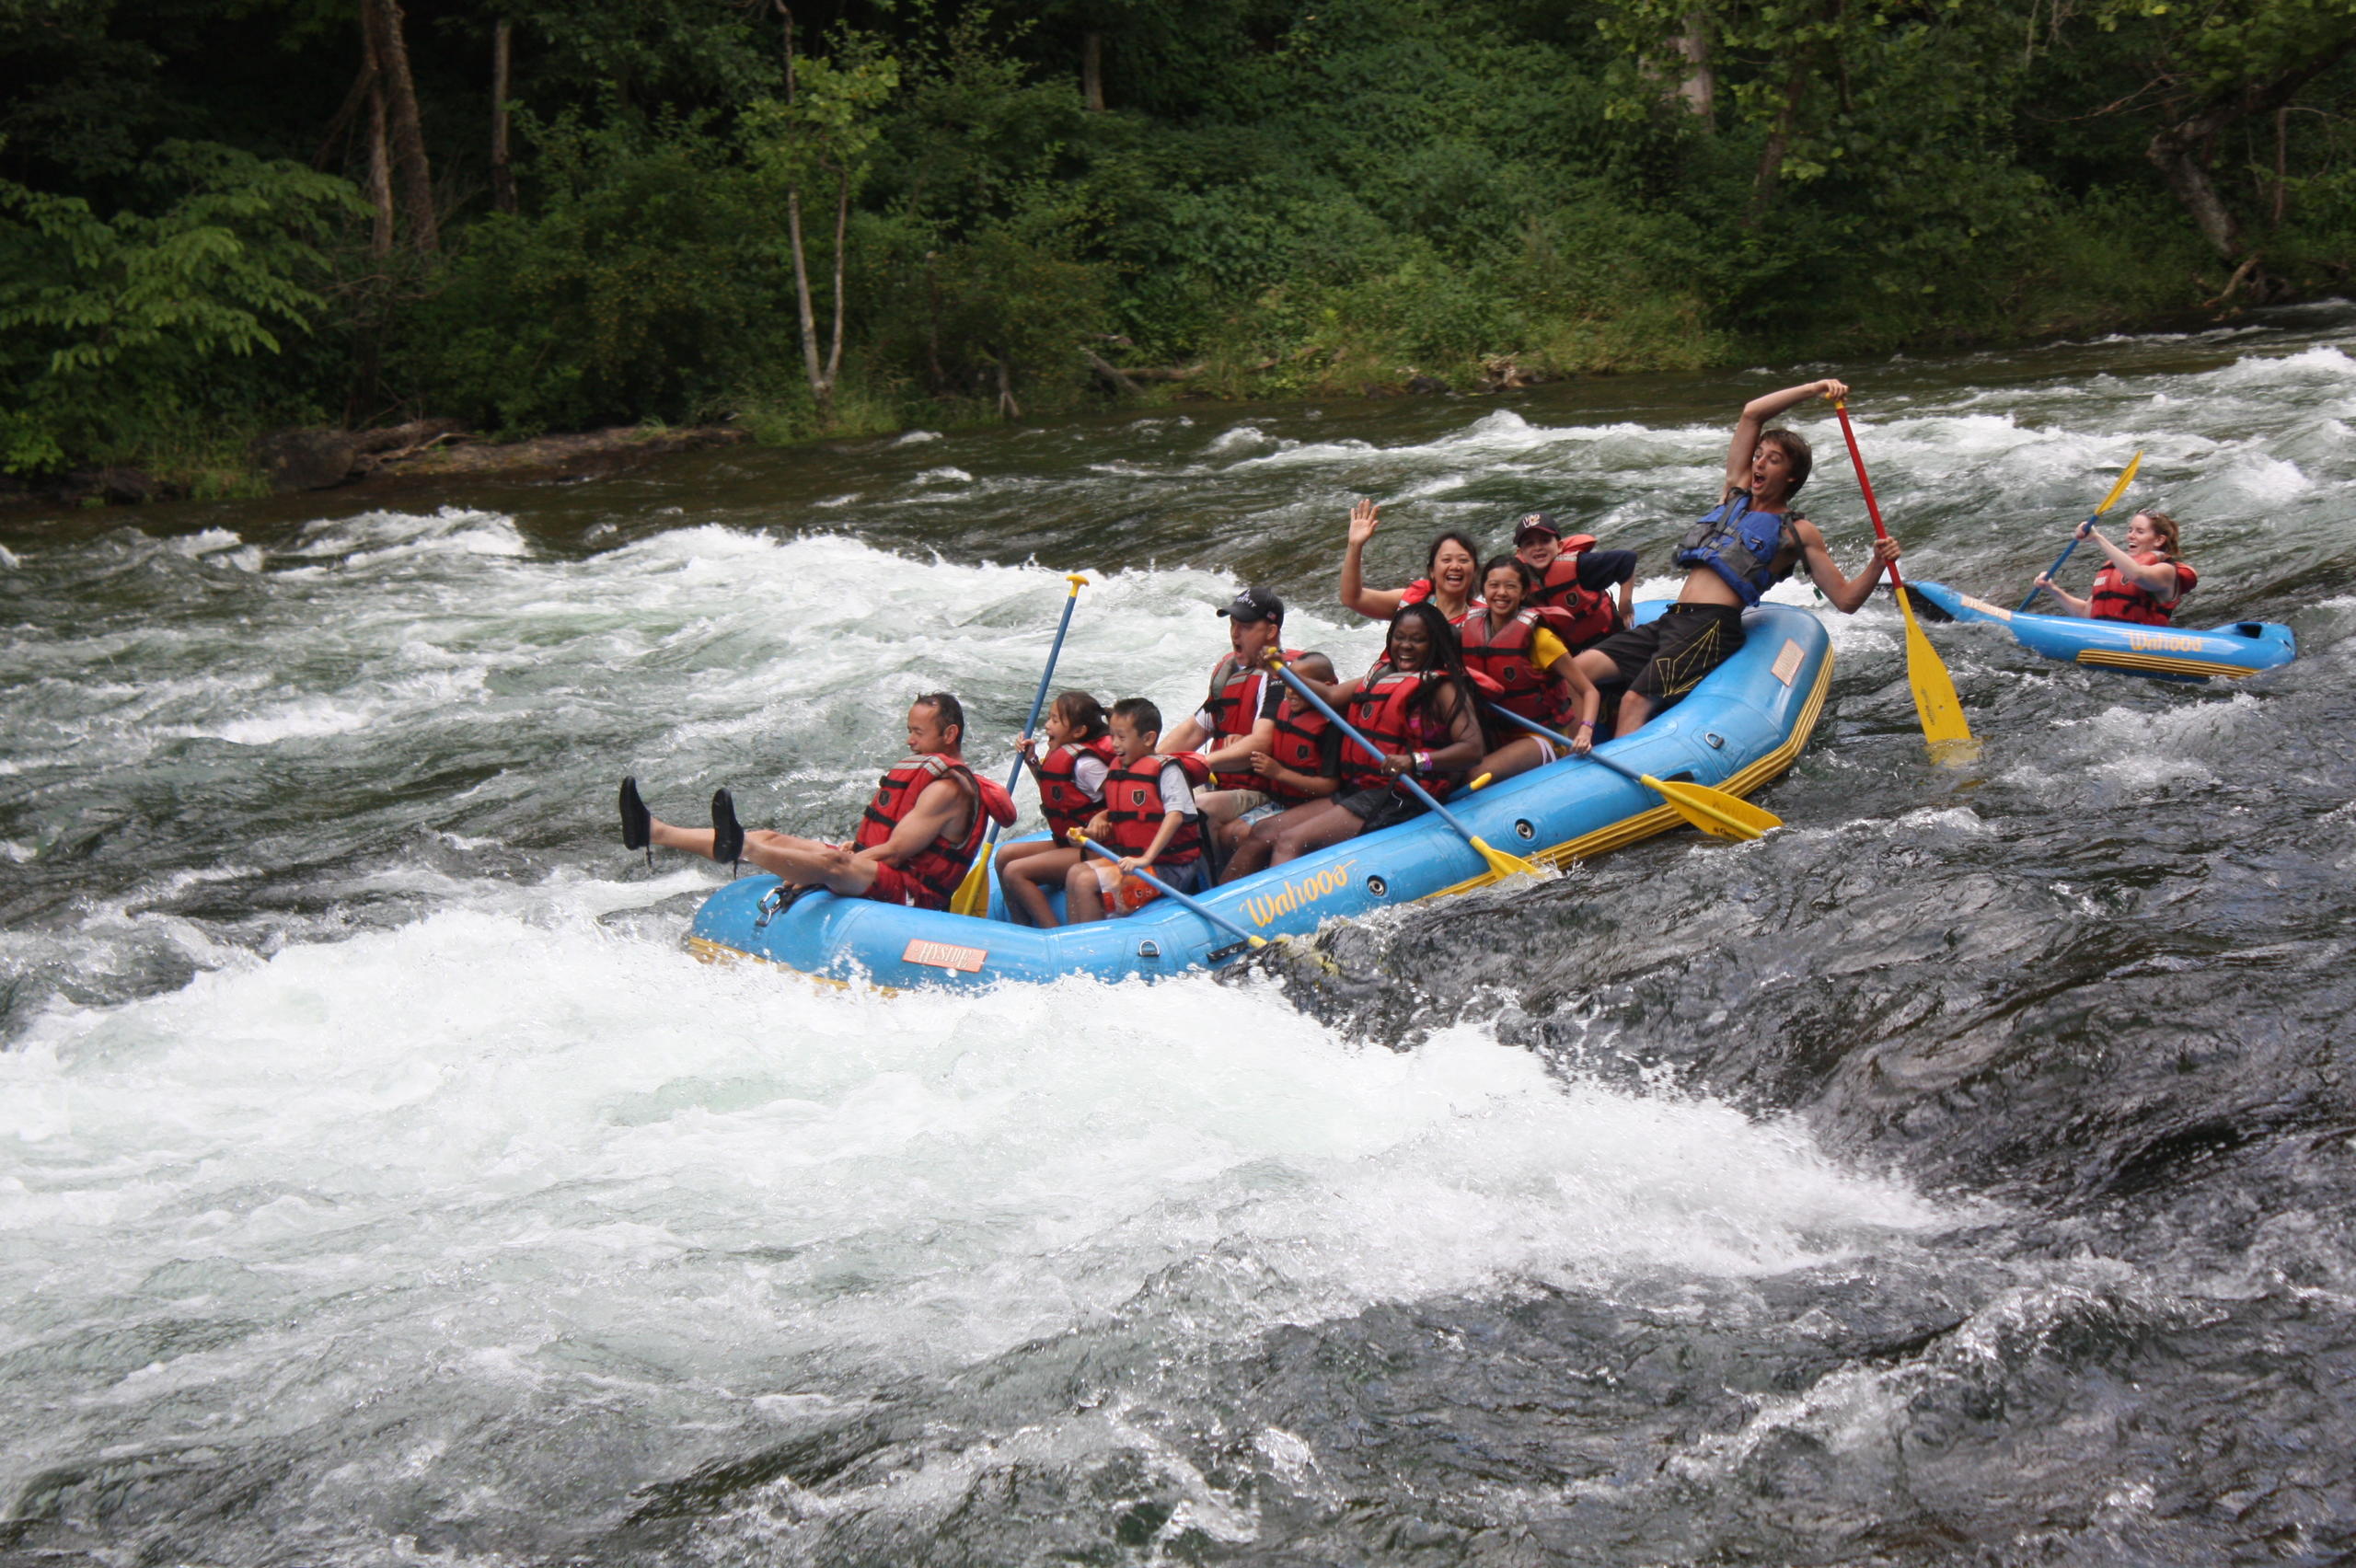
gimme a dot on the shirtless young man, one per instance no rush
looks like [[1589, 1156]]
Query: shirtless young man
[[913, 846], [1745, 545]]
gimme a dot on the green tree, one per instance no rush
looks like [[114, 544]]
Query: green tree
[[823, 130], [114, 330]]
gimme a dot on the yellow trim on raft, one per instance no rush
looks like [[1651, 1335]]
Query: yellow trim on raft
[[1626, 831], [705, 950], [2159, 664], [1660, 819]]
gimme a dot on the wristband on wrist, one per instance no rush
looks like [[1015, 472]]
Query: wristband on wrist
[[1423, 762], [1586, 724]]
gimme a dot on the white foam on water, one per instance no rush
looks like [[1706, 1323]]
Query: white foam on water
[[916, 437], [211, 541], [504, 1136], [374, 538], [943, 476]]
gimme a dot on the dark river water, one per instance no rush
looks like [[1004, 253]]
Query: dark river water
[[1964, 1175]]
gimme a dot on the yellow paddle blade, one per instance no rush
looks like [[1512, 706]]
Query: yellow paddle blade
[[1714, 812], [1257, 942], [2121, 488], [1934, 699], [1505, 865], [972, 894]]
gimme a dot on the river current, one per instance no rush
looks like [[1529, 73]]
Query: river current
[[1964, 1175]]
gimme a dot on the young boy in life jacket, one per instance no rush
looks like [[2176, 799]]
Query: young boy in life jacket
[[1750, 541], [914, 843], [1575, 581], [1148, 817], [1080, 754]]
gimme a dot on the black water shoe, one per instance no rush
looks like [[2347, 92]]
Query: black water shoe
[[727, 833], [638, 823]]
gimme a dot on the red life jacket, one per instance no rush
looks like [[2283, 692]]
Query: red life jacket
[[1504, 656], [1237, 690], [1418, 591], [1133, 805], [940, 865], [1379, 709], [2115, 598], [1300, 746], [1061, 800], [1580, 616]]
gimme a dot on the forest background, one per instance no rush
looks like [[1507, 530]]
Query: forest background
[[218, 217]]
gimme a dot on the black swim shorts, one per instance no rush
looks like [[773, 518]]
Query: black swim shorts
[[1664, 659], [1378, 805]]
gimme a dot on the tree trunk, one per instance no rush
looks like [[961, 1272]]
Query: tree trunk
[[842, 250], [1779, 142], [415, 175], [2282, 162], [1092, 70], [821, 387], [502, 174], [1699, 90], [1007, 407], [380, 160], [2180, 152]]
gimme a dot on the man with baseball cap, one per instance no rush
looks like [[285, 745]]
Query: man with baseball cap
[[1576, 581], [1239, 717]]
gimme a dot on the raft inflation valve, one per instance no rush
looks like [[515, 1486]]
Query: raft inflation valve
[[1522, 826], [1717, 743], [1378, 887]]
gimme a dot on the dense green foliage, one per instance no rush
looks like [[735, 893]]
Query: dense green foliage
[[203, 231]]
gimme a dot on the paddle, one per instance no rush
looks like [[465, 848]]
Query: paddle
[[1501, 863], [1714, 812], [1936, 702], [972, 894], [1079, 836], [2108, 503]]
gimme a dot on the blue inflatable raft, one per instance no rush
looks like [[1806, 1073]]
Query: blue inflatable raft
[[2164, 652], [1741, 727]]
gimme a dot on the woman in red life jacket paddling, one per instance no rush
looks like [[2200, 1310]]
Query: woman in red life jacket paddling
[[2143, 583], [1449, 578], [1418, 708], [1071, 789], [914, 844], [1534, 672], [1148, 800], [1303, 764]]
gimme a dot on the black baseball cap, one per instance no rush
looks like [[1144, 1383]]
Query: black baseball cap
[[1536, 523], [1256, 604]]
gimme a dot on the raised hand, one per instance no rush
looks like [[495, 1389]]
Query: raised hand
[[1364, 517]]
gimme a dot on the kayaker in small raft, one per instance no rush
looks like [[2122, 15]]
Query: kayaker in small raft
[[913, 845], [2143, 583]]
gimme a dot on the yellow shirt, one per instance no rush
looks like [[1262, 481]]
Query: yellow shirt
[[1546, 647]]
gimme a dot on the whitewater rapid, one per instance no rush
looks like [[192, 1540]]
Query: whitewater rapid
[[379, 1179]]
